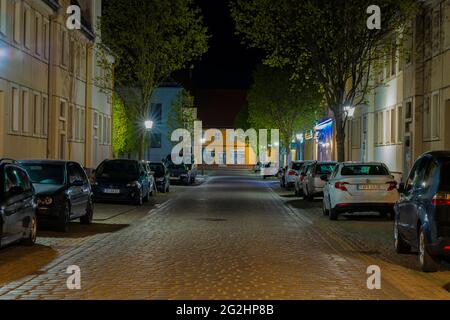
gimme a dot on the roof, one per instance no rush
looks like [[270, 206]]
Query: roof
[[58, 162], [440, 155]]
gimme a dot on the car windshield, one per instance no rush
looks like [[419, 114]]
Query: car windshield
[[118, 171], [158, 169], [445, 176], [325, 168], [297, 166], [46, 173], [364, 170]]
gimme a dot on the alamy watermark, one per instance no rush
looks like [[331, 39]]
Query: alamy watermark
[[214, 146]]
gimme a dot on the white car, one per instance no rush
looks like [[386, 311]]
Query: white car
[[291, 172], [315, 177], [360, 187]]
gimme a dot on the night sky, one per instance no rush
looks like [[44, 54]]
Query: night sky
[[228, 64]]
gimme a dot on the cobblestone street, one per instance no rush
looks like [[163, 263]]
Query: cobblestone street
[[232, 237]]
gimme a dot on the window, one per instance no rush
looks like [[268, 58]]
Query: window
[[388, 127], [435, 117], [426, 119], [44, 122], [156, 110], [436, 30], [356, 133], [375, 131], [25, 111], [15, 112], [156, 142], [17, 21], [70, 123], [64, 48], [380, 128], [27, 27], [393, 128], [45, 38], [100, 129], [400, 124], [38, 34], [393, 56], [408, 111], [37, 114], [447, 24], [3, 13]]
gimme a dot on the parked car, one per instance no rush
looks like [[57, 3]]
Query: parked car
[[151, 178], [300, 177], [269, 170], [289, 174], [17, 205], [313, 181], [422, 215], [63, 192], [181, 173], [122, 180], [359, 187], [162, 176]]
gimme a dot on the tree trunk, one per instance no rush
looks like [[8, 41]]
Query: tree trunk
[[340, 137]]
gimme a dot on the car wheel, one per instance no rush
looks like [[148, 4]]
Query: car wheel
[[334, 214], [63, 224], [325, 211], [426, 261], [400, 245], [87, 218], [31, 239]]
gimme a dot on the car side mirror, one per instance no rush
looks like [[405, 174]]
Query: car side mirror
[[324, 178], [77, 183], [16, 191], [402, 188]]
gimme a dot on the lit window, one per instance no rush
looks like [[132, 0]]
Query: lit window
[[17, 19], [3, 17], [15, 110]]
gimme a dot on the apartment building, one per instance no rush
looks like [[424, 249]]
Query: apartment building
[[410, 105], [50, 104]]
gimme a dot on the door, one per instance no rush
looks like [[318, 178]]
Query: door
[[407, 206], [15, 206], [77, 189]]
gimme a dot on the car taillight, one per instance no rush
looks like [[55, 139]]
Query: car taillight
[[341, 186], [291, 173], [392, 185], [447, 248], [441, 198]]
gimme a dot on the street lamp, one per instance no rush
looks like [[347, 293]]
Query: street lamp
[[148, 125], [350, 113]]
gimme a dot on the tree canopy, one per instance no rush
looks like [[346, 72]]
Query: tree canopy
[[275, 101], [149, 40], [329, 40]]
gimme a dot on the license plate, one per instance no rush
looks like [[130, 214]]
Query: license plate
[[112, 191], [369, 187]]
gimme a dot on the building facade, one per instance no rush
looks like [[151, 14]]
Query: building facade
[[50, 104], [410, 106], [161, 107]]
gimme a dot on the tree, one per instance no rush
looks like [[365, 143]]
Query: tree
[[149, 40], [242, 118], [122, 139], [328, 39], [275, 101], [182, 114]]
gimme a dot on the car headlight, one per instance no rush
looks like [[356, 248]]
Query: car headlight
[[45, 201], [134, 184]]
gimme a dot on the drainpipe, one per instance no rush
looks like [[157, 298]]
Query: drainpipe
[[52, 19]]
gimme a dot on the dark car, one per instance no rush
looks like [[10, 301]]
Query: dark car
[[63, 192], [121, 180], [422, 215], [181, 173], [162, 176], [17, 205]]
